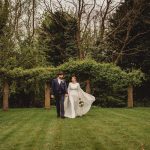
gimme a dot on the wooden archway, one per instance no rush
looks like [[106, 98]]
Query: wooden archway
[[48, 95], [47, 73]]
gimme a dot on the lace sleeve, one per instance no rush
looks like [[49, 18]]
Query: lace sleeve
[[79, 86], [69, 88], [79, 89]]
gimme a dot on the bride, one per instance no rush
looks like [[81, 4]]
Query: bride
[[77, 103]]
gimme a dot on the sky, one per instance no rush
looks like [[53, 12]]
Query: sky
[[67, 5]]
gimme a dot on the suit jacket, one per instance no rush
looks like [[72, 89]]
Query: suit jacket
[[59, 88]]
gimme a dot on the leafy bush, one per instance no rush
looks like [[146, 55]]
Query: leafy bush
[[108, 82]]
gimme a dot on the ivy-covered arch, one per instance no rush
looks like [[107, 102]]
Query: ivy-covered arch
[[86, 70]]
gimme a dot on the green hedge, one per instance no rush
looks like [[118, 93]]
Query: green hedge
[[84, 69], [108, 82]]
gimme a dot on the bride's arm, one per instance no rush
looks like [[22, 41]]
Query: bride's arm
[[79, 90], [69, 88]]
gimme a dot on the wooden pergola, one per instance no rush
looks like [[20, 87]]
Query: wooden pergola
[[48, 73], [47, 95]]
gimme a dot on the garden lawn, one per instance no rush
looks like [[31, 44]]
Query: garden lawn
[[100, 129]]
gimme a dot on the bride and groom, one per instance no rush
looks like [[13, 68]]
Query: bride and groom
[[71, 101]]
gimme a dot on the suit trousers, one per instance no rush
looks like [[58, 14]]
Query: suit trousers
[[60, 104]]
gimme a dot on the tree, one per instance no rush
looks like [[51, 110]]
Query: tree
[[6, 42], [57, 37], [3, 15], [129, 38], [129, 31], [16, 51]]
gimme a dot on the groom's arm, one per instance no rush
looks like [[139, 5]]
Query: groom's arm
[[53, 86], [66, 88]]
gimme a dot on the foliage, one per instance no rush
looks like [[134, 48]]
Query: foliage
[[107, 80], [4, 11], [85, 69], [132, 36], [131, 22], [57, 37], [7, 53], [29, 56]]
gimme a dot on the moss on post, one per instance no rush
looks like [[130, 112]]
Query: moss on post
[[130, 96], [47, 95], [5, 96]]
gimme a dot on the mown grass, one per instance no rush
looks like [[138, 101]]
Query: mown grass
[[100, 129]]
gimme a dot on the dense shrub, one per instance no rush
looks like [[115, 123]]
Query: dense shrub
[[108, 82]]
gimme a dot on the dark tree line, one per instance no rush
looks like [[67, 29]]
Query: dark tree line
[[130, 40]]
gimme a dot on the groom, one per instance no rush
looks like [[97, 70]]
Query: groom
[[59, 91]]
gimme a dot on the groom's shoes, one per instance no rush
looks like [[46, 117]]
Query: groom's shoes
[[58, 116], [62, 117]]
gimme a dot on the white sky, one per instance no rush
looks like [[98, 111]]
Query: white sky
[[67, 5]]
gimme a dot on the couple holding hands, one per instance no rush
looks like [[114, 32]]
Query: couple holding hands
[[71, 100]]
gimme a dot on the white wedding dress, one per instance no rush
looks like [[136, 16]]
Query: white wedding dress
[[78, 102]]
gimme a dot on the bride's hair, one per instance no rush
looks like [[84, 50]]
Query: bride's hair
[[74, 76]]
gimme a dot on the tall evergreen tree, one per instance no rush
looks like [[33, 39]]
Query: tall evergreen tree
[[57, 37]]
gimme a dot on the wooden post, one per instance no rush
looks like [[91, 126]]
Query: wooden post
[[130, 96], [5, 95], [88, 88], [47, 95]]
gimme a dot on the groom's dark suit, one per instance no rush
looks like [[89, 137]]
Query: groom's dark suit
[[59, 90]]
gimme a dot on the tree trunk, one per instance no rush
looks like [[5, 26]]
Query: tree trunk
[[47, 95], [33, 17], [130, 96], [88, 88], [79, 44], [5, 95]]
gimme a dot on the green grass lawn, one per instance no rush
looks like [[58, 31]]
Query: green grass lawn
[[100, 129]]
